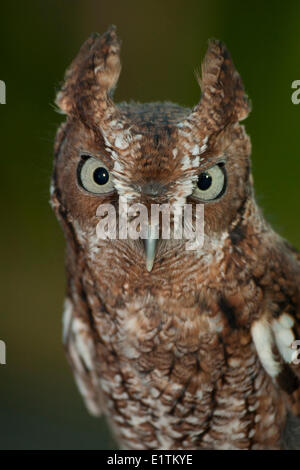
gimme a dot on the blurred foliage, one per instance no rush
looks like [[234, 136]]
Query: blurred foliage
[[163, 43]]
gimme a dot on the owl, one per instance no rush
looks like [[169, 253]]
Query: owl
[[179, 349]]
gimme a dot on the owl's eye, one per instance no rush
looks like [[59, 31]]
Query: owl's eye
[[94, 176], [211, 184]]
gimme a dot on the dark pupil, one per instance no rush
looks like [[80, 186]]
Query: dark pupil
[[204, 181], [101, 176]]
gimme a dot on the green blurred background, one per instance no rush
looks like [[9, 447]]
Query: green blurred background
[[163, 43]]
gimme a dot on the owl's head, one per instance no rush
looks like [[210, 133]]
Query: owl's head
[[150, 153]]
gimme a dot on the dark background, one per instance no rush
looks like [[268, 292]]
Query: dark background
[[163, 43]]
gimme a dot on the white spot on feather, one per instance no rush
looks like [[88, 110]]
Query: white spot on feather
[[195, 150], [121, 143], [67, 316], [264, 342], [175, 152]]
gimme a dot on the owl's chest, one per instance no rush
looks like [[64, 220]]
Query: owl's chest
[[175, 377], [177, 366]]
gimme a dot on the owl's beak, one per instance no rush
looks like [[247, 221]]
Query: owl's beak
[[150, 249]]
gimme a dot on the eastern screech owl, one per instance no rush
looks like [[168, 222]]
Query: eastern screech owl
[[194, 352]]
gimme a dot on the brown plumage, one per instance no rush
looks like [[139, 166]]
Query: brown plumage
[[195, 353]]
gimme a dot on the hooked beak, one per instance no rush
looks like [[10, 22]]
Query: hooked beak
[[150, 248]]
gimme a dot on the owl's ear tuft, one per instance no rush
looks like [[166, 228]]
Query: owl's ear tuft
[[223, 95], [92, 76]]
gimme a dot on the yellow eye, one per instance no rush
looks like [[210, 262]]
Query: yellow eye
[[94, 176], [211, 184]]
